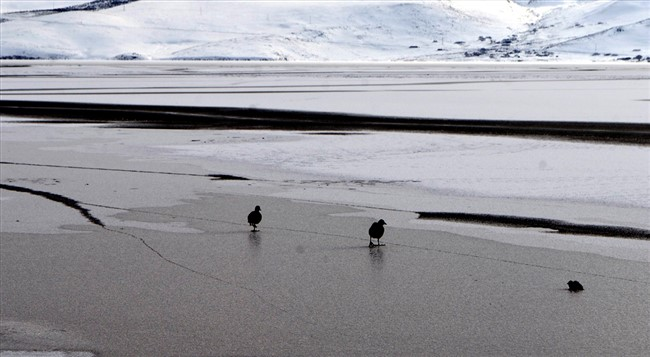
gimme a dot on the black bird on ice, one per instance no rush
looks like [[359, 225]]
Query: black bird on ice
[[376, 231], [254, 218], [575, 286]]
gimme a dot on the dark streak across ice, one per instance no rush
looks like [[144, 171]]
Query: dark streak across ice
[[183, 117], [56, 198], [211, 176], [502, 220], [86, 213], [531, 222]]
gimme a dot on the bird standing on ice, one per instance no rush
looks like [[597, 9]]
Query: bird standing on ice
[[254, 218], [575, 286], [376, 231]]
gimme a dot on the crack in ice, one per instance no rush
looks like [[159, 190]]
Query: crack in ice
[[57, 198], [96, 221]]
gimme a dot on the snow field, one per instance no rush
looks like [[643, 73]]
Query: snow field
[[332, 30]]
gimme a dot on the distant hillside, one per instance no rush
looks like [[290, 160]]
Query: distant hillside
[[444, 30], [85, 6]]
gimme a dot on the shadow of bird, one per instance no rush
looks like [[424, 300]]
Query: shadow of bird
[[376, 231], [575, 286], [254, 218]]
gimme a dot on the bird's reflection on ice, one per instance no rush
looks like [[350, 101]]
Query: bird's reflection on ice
[[377, 257], [255, 239]]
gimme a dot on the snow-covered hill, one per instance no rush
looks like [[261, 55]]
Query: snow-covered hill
[[601, 30]]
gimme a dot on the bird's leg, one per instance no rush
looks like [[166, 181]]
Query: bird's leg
[[371, 244]]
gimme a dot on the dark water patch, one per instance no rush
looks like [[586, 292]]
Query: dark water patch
[[228, 178], [559, 226], [352, 182], [333, 133], [4, 65], [56, 198], [211, 176], [180, 117]]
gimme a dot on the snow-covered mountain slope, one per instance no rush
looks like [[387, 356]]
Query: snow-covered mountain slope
[[594, 28], [328, 30], [7, 6]]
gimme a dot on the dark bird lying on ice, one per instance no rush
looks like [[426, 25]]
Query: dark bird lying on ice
[[376, 231], [254, 218], [575, 286]]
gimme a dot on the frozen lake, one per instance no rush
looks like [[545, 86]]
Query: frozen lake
[[547, 92], [589, 172], [173, 269]]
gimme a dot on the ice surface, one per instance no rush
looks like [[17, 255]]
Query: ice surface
[[452, 164], [409, 173], [177, 270], [587, 93], [307, 284], [459, 173], [45, 354]]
